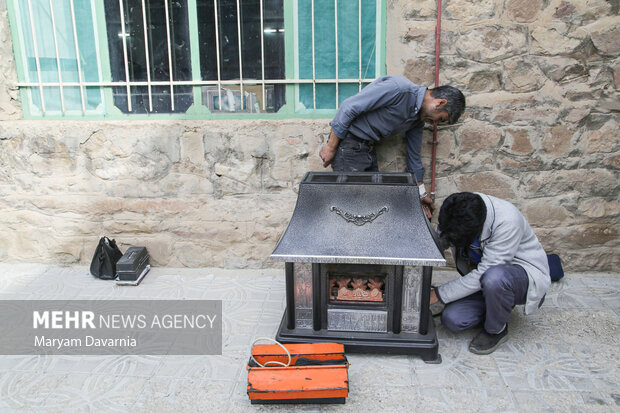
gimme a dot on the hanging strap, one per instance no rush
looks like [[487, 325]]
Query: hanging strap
[[273, 361]]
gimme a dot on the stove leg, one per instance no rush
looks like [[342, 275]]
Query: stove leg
[[317, 303], [427, 275], [290, 295], [436, 360]]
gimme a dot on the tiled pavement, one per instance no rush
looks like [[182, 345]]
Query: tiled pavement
[[563, 358]]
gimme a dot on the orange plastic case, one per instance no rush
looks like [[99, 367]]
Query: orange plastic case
[[325, 383]]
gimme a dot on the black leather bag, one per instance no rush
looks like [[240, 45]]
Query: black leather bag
[[104, 261]]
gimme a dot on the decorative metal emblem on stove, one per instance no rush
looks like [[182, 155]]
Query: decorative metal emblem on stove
[[358, 220], [366, 286]]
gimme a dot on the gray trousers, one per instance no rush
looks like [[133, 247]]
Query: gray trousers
[[503, 287], [355, 155]]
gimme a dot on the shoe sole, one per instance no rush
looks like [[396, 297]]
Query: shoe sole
[[489, 350]]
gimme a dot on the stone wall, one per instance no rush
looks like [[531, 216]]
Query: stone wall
[[195, 193], [541, 130], [9, 104]]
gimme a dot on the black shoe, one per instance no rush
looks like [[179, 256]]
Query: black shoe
[[485, 343]]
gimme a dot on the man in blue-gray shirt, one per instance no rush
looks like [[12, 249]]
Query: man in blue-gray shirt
[[387, 106]]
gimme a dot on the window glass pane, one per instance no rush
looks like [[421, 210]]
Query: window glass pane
[[46, 47], [167, 51], [251, 65], [325, 48]]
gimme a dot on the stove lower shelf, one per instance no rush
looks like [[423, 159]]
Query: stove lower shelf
[[426, 346]]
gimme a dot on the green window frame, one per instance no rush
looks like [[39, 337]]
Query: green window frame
[[312, 85]]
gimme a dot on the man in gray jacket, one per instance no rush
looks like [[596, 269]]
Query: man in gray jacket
[[388, 106], [501, 262]]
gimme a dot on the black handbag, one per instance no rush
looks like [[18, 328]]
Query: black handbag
[[104, 261]]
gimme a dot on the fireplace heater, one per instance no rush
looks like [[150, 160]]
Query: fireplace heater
[[358, 255]]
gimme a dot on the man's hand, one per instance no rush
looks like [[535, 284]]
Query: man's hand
[[434, 298], [435, 305], [328, 152], [428, 206]]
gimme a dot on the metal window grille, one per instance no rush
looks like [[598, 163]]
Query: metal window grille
[[171, 83]]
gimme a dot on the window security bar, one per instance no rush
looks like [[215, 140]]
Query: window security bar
[[169, 55], [171, 83], [62, 94], [36, 56], [217, 51], [77, 56], [124, 35], [240, 57], [147, 57], [194, 82]]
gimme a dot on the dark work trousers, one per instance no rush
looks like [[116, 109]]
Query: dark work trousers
[[355, 155], [503, 287]]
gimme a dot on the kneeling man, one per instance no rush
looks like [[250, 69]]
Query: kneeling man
[[501, 262]]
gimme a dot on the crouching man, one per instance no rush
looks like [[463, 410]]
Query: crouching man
[[501, 262]]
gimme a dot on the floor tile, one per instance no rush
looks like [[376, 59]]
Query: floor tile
[[571, 292], [181, 395], [561, 358], [541, 366], [93, 392], [459, 368], [563, 401]]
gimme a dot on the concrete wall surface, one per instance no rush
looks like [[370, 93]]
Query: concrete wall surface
[[541, 130]]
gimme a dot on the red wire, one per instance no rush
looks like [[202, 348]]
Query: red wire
[[435, 142]]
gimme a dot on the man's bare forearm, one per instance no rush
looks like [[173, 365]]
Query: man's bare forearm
[[328, 152], [333, 140]]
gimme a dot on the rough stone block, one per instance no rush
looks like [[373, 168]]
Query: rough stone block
[[605, 34], [523, 11], [546, 213], [192, 254], [290, 156], [562, 69], [535, 113], [492, 43], [579, 11], [485, 81], [470, 11], [420, 71], [557, 141], [589, 259], [606, 139], [522, 75], [239, 171], [598, 208], [592, 234], [192, 147], [69, 250], [421, 38], [518, 142], [555, 39], [57, 163], [593, 182], [491, 183], [421, 9], [576, 115], [475, 135]]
